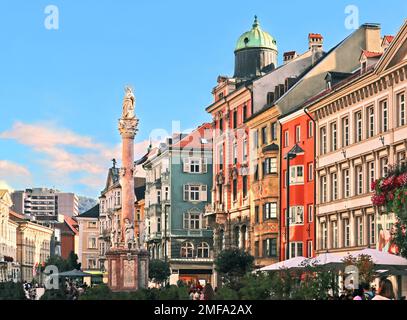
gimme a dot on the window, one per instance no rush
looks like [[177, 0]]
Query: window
[[244, 182], [359, 180], [359, 224], [256, 249], [158, 196], [256, 172], [296, 249], [195, 192], [274, 131], [269, 166], [235, 119], [270, 247], [310, 129], [235, 189], [297, 134], [372, 233], [309, 248], [310, 171], [296, 174], [270, 211], [92, 224], [296, 215], [166, 193], [235, 153], [324, 236], [203, 250], [334, 140], [383, 166], [346, 183], [220, 157], [346, 233], [187, 250], [256, 214], [334, 184], [370, 120], [91, 263], [370, 165], [245, 150], [310, 213], [244, 113], [264, 135], [323, 140], [385, 116], [345, 132], [335, 243], [286, 138], [323, 189], [221, 125], [401, 107], [158, 224], [92, 243], [256, 139], [358, 122]]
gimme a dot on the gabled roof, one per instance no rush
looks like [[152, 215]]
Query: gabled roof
[[371, 54], [399, 43], [72, 224], [196, 139], [271, 147], [91, 213], [296, 149]]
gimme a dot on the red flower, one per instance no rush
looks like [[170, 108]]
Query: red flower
[[373, 185], [391, 196], [402, 179], [378, 199]]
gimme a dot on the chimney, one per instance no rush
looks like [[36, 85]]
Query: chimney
[[315, 40], [289, 55], [315, 44]]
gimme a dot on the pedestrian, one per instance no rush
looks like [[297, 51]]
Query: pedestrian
[[385, 291], [367, 292], [191, 294], [208, 292], [197, 295]]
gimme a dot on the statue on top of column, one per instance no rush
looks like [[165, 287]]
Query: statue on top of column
[[128, 104]]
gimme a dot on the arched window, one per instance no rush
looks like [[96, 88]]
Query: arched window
[[203, 250], [243, 234], [187, 250]]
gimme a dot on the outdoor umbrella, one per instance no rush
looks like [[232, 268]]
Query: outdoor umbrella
[[383, 259], [293, 263]]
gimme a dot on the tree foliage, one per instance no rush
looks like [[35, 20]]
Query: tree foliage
[[232, 265], [159, 271], [11, 291]]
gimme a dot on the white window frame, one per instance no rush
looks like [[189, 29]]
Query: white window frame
[[334, 136], [371, 122], [345, 132], [334, 183], [346, 232], [187, 247], [295, 178], [296, 245], [310, 129], [296, 215], [324, 186], [286, 138], [270, 210], [195, 192], [359, 226], [358, 126], [346, 183], [401, 107], [384, 115], [371, 167], [310, 213], [323, 139], [298, 133], [203, 248], [335, 235], [359, 180]]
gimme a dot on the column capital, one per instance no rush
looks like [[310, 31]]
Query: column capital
[[128, 127]]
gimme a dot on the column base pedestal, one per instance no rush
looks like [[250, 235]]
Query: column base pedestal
[[127, 269]]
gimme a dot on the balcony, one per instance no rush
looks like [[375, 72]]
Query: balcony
[[155, 209], [155, 236]]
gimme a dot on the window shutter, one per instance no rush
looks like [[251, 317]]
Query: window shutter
[[204, 165], [186, 165], [186, 192], [204, 193]]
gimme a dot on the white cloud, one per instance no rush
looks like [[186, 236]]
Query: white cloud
[[54, 144], [13, 174]]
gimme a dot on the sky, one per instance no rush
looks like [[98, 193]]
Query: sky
[[61, 90]]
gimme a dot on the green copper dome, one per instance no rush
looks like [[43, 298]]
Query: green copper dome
[[256, 38]]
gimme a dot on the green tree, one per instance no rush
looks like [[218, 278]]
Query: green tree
[[12, 291], [256, 286], [54, 294], [159, 271], [232, 265]]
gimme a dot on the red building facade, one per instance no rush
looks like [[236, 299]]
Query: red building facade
[[297, 137]]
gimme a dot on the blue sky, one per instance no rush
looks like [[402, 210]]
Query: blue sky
[[61, 90]]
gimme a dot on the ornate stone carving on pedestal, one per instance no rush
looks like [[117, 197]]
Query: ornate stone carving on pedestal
[[127, 262]]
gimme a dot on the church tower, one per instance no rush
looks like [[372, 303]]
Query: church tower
[[255, 53]]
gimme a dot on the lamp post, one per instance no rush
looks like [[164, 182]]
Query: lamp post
[[288, 157]]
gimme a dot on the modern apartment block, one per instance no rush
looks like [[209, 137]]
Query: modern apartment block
[[45, 204]]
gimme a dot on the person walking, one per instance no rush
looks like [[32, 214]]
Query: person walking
[[385, 291]]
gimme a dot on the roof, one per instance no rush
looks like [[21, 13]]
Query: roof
[[388, 38], [315, 35], [289, 53], [72, 224], [2, 193], [256, 38], [371, 54], [196, 138], [296, 149], [91, 213]]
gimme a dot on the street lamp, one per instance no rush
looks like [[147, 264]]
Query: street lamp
[[289, 156]]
